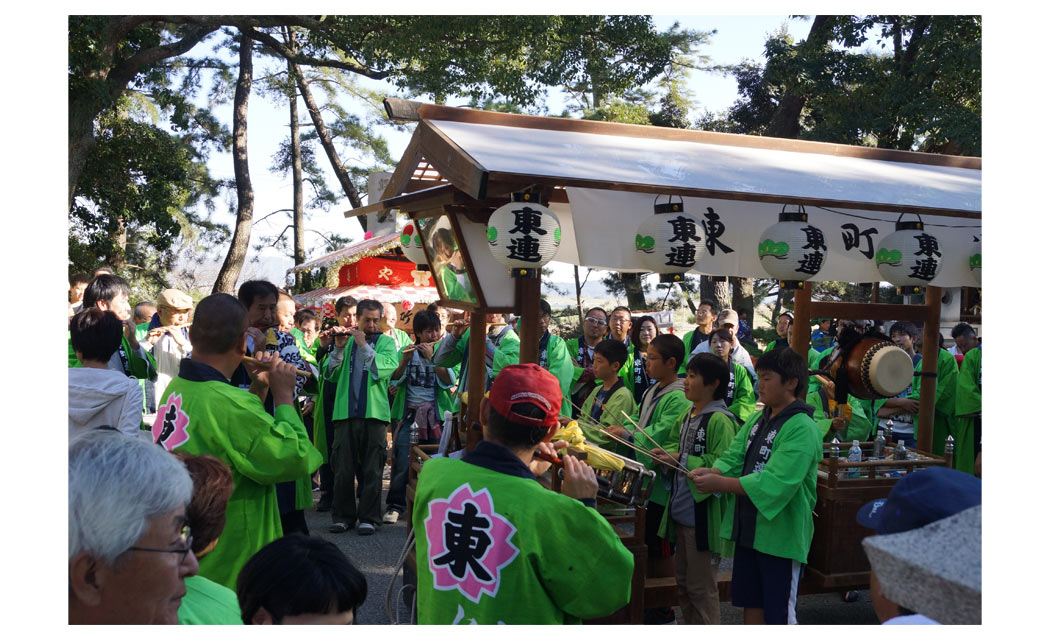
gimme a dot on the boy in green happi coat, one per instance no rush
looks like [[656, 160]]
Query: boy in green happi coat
[[608, 401], [495, 547], [554, 356], [360, 415], [692, 519], [660, 412], [771, 470], [968, 411], [202, 413]]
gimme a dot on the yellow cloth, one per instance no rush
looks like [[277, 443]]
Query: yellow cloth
[[596, 457]]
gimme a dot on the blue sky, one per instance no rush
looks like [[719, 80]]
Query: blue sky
[[737, 37]]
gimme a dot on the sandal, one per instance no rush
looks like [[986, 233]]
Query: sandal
[[339, 527]]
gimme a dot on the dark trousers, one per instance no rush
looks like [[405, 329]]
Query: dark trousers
[[358, 450]]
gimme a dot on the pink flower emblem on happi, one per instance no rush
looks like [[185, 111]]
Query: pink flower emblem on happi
[[169, 429], [468, 543]]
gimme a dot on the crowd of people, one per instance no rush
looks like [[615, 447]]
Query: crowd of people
[[257, 405]]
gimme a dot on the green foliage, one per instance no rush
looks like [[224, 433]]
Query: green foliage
[[896, 82]]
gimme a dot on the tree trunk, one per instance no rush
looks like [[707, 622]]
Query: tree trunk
[[579, 302], [226, 281], [716, 288], [632, 284], [299, 242], [785, 122], [326, 142], [743, 294]]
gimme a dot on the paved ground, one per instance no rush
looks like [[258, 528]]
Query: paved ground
[[377, 555]]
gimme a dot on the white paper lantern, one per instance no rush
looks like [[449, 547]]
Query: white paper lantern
[[412, 244], [524, 235], [670, 242], [909, 257], [792, 250], [975, 260]]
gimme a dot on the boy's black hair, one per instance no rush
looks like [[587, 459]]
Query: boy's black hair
[[95, 333], [787, 364], [511, 434], [78, 278], [105, 287], [904, 327], [545, 308], [344, 302], [297, 574], [219, 322], [303, 314], [425, 320], [253, 289], [963, 329], [669, 346], [710, 368], [369, 305], [612, 350]]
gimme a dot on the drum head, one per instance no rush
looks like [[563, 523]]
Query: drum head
[[890, 371]]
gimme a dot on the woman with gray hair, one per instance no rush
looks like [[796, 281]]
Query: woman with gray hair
[[129, 546]]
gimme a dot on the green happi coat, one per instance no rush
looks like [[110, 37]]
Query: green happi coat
[[206, 602], [558, 363], [858, 427], [784, 492], [260, 450], [621, 400], [377, 404], [742, 404], [665, 418], [559, 561], [720, 431], [967, 402], [944, 406]]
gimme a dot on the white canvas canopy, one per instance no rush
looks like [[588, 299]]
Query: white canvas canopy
[[735, 185]]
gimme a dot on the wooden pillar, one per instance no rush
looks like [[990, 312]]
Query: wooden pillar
[[799, 338], [875, 292], [476, 381], [928, 385], [527, 304]]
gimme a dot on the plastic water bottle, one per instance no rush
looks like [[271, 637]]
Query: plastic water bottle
[[879, 446], [901, 452], [413, 433], [854, 455], [833, 450], [949, 446]]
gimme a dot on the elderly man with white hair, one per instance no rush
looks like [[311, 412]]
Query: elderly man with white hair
[[129, 545]]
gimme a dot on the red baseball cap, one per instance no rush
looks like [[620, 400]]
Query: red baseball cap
[[528, 383]]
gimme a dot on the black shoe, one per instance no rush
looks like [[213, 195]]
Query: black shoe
[[324, 503], [850, 596], [662, 615]]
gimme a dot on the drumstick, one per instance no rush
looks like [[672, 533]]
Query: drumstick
[[662, 450], [641, 450], [266, 365], [646, 434]]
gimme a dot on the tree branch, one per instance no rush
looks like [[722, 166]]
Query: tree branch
[[270, 214], [122, 74], [291, 56]]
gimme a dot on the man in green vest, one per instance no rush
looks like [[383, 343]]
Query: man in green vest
[[581, 350], [705, 324], [360, 415]]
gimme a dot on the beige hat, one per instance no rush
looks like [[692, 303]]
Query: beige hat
[[174, 299], [727, 316]]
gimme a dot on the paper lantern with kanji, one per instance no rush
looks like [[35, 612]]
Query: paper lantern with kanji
[[910, 257], [524, 235], [670, 242], [412, 244], [975, 260], [792, 250]]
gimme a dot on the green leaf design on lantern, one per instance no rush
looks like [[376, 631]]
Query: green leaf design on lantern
[[492, 233], [975, 261], [405, 239], [557, 236], [644, 243], [885, 256], [776, 249]]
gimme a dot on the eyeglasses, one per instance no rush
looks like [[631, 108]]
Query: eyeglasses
[[600, 323], [186, 536]]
